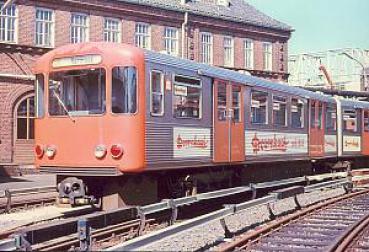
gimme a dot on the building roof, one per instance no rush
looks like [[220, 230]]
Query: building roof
[[238, 11]]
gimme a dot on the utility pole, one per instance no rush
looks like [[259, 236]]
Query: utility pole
[[362, 66]]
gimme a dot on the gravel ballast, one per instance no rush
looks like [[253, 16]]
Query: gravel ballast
[[207, 236]]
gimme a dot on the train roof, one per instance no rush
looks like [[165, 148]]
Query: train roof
[[354, 104], [221, 73]]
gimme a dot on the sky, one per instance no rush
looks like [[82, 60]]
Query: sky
[[321, 24]]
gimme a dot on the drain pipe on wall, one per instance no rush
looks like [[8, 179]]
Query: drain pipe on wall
[[184, 26]]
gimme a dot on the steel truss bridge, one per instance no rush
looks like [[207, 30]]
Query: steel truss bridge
[[345, 67]]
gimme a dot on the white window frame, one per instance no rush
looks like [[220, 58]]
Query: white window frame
[[267, 56], [200, 87], [162, 90], [170, 42], [28, 118], [44, 23], [143, 35], [249, 52], [7, 17], [109, 33], [303, 112], [204, 58], [230, 47], [285, 111], [79, 27], [266, 107]]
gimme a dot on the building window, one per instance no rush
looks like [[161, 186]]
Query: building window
[[206, 54], [25, 119], [297, 113], [187, 97], [8, 24], [249, 54], [112, 30], [350, 120], [79, 28], [259, 107], [171, 40], [280, 111], [44, 27], [331, 118], [228, 51], [157, 93], [267, 56], [142, 35]]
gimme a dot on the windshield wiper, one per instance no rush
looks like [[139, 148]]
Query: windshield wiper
[[63, 105]]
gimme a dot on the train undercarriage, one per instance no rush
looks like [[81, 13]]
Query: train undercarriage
[[138, 189]]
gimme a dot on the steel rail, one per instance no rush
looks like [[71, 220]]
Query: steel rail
[[18, 197], [143, 241], [51, 231], [240, 243], [346, 239]]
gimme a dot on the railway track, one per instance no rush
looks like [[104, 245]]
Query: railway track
[[322, 227], [105, 229], [25, 198]]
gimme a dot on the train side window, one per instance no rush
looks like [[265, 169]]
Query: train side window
[[297, 113], [331, 118], [280, 111], [157, 93], [312, 115], [39, 95], [236, 103], [320, 116], [124, 90], [222, 101], [187, 97], [366, 120], [349, 120], [259, 107]]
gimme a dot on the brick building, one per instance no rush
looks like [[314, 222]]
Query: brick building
[[228, 33]]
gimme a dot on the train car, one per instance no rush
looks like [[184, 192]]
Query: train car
[[353, 129], [127, 126]]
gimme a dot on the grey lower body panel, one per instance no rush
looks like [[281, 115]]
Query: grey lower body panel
[[81, 171]]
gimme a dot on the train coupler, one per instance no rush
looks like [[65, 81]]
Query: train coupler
[[74, 191]]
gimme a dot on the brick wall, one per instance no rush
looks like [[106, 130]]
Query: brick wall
[[129, 14], [20, 63]]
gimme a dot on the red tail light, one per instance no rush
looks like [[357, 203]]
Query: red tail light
[[39, 150], [116, 151]]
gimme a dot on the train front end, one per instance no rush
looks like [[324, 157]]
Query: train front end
[[90, 103]]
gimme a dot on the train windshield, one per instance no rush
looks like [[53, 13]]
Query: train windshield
[[77, 92]]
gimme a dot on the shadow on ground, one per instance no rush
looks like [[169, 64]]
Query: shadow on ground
[[7, 179]]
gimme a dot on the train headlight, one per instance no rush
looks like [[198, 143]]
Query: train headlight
[[50, 151], [39, 150], [100, 151], [116, 151]]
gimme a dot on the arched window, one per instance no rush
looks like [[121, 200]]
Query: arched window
[[25, 118]]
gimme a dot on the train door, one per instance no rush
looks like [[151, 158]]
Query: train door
[[316, 136], [229, 136], [365, 133]]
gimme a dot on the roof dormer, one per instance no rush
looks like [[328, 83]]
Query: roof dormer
[[225, 3]]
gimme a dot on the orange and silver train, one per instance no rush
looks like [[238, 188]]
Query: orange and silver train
[[122, 124]]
